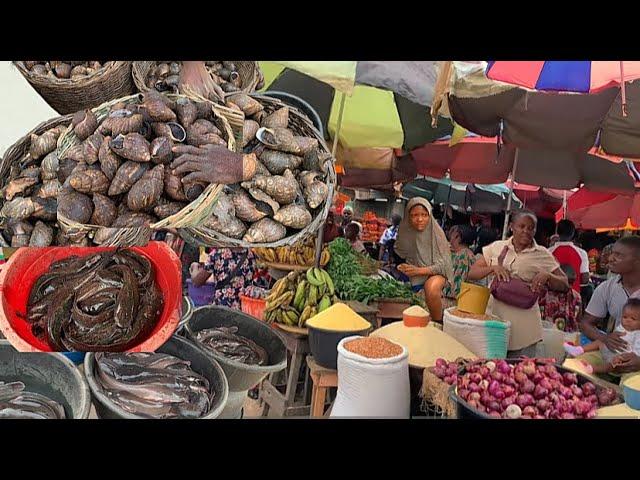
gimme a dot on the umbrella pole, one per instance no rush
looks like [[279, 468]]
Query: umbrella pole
[[446, 207], [333, 154], [564, 204], [508, 212]]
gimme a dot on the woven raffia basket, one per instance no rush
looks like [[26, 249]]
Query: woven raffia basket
[[193, 214], [16, 152], [66, 95], [300, 125], [249, 74]]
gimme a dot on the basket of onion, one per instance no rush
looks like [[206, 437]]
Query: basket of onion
[[523, 388]]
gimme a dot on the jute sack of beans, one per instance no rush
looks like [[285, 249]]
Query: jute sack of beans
[[372, 387]]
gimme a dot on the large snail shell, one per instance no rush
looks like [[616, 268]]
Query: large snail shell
[[18, 209], [283, 189], [42, 235], [89, 181], [161, 150], [281, 139], [171, 130], [75, 206], [49, 189], [91, 147], [249, 130], [293, 216], [187, 111], [316, 193], [109, 161], [49, 166], [156, 107], [248, 105], [146, 191], [245, 207], [229, 226], [173, 187], [104, 211], [43, 144], [278, 119], [167, 209], [18, 186], [277, 162], [131, 146], [265, 231], [84, 123], [133, 219], [128, 174], [121, 121]]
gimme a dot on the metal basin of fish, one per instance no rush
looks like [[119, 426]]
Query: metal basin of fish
[[241, 376], [96, 322], [53, 385], [153, 406], [228, 343]]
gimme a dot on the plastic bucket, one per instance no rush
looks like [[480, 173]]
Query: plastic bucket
[[187, 311], [253, 306], [178, 347], [324, 344], [632, 394], [27, 264], [50, 374], [473, 298], [200, 296], [241, 376]]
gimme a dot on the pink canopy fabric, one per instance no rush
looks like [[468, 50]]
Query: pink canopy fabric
[[478, 160], [544, 202], [595, 210]]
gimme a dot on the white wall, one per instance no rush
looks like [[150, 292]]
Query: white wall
[[21, 108]]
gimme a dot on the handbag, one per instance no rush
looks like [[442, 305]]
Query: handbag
[[513, 292]]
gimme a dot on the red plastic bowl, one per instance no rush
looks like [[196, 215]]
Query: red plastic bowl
[[26, 265]]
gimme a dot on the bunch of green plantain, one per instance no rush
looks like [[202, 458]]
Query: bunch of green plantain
[[296, 298]]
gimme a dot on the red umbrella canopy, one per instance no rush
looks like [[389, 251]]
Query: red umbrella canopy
[[544, 202], [479, 160], [594, 210]]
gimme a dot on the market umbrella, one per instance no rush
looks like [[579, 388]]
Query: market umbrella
[[596, 210], [548, 120], [388, 107], [460, 196], [544, 202], [481, 160]]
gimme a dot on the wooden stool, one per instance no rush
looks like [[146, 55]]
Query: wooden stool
[[285, 405], [323, 379]]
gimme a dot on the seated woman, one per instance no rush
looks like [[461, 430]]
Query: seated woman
[[461, 238], [426, 253], [352, 233]]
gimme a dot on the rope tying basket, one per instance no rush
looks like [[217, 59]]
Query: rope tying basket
[[300, 125], [68, 95], [249, 73], [193, 214], [18, 153]]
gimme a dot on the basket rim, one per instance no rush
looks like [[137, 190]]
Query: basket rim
[[69, 82], [140, 69], [206, 200]]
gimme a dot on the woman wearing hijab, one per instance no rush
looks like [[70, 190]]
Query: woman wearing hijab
[[533, 264], [426, 253]]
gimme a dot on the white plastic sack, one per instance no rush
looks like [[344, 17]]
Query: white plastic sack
[[473, 334], [372, 387]]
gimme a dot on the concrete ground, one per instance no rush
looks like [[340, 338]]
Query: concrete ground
[[21, 106]]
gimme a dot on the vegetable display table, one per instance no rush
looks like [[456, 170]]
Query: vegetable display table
[[284, 404], [323, 379]]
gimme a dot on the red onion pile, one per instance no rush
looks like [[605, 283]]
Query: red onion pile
[[525, 390]]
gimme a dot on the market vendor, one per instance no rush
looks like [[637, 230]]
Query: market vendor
[[352, 233], [424, 248], [609, 298], [208, 163], [523, 259]]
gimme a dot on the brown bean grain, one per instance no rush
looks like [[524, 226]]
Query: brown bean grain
[[373, 347]]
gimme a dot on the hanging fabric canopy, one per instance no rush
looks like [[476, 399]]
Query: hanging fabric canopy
[[479, 159], [592, 210]]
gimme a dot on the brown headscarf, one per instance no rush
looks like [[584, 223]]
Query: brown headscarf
[[428, 248]]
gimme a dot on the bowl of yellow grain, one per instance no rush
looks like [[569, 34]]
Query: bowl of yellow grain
[[329, 327]]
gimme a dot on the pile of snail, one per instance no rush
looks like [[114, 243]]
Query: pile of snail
[[66, 69], [289, 187], [28, 197]]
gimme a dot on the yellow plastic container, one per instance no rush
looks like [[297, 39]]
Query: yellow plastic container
[[473, 298]]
